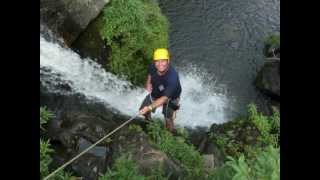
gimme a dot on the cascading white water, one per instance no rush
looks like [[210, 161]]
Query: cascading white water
[[199, 105]]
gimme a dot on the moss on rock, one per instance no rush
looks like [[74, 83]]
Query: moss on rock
[[90, 44], [133, 29], [272, 46]]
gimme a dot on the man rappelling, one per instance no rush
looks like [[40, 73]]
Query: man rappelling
[[164, 87]]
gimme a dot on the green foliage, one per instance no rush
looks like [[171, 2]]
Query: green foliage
[[275, 127], [183, 132], [45, 158], [63, 175], [133, 29], [124, 168], [46, 150], [271, 44], [222, 141], [45, 161], [242, 134], [264, 124], [265, 166], [275, 120], [45, 116], [251, 145], [273, 40], [240, 167], [190, 159], [135, 128], [157, 174], [221, 173]]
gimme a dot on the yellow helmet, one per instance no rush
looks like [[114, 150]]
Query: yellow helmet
[[161, 53]]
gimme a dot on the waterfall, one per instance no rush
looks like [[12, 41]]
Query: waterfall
[[200, 104]]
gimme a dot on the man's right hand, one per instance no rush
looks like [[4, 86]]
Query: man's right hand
[[149, 88]]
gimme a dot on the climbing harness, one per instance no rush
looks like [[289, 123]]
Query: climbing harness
[[86, 150], [167, 108], [150, 98]]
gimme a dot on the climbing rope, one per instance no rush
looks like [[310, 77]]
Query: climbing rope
[[90, 147]]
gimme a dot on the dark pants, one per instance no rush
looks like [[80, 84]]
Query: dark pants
[[168, 109]]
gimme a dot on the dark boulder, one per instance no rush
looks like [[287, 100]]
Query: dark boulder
[[268, 79], [68, 18]]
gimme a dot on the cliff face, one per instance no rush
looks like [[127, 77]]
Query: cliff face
[[68, 18]]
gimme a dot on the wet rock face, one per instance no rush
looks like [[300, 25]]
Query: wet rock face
[[212, 155], [80, 122], [268, 79], [197, 137], [89, 166], [68, 18], [75, 116], [94, 163], [77, 124]]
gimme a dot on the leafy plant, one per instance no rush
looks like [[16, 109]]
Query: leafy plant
[[272, 45], [273, 40], [46, 150], [45, 158], [45, 116], [264, 166], [241, 135], [221, 173], [124, 168], [264, 125], [157, 174], [188, 157], [135, 128], [275, 127], [45, 161], [183, 132], [267, 164], [240, 167]]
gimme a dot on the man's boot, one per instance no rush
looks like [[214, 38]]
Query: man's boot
[[170, 126]]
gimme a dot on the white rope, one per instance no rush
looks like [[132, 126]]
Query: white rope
[[273, 59], [90, 147]]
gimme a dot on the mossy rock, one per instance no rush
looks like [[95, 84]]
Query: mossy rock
[[132, 140], [272, 46], [232, 136], [90, 44], [68, 18]]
